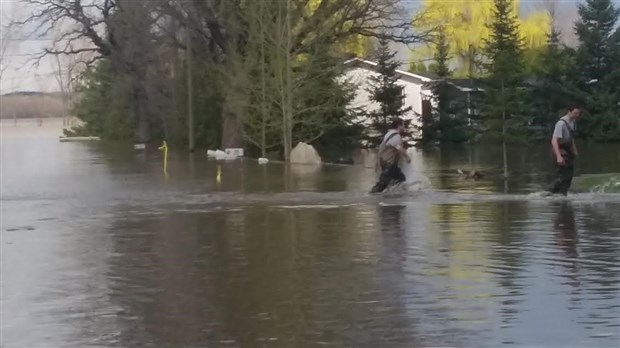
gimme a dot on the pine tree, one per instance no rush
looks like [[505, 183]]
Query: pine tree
[[450, 106], [504, 104], [555, 89], [598, 60], [433, 127], [385, 91]]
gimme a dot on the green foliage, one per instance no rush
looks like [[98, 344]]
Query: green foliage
[[431, 125], [554, 86], [339, 141], [77, 131], [450, 114], [418, 68], [467, 30], [332, 126], [441, 59], [594, 30], [207, 106], [386, 92], [262, 46], [598, 59], [103, 103], [505, 112]]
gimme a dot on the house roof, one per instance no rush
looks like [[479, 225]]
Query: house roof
[[428, 74], [464, 85], [404, 75]]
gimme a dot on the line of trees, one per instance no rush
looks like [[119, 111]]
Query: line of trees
[[524, 96], [263, 74], [226, 73], [467, 27]]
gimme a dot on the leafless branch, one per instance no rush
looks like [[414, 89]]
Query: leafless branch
[[75, 21], [7, 31]]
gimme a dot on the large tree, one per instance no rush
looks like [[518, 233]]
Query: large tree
[[145, 47], [467, 25], [598, 62], [449, 118], [287, 92], [386, 92], [505, 103], [554, 87]]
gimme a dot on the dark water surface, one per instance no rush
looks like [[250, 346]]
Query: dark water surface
[[100, 249]]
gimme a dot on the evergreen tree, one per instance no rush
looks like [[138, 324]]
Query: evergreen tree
[[555, 87], [504, 104], [450, 110], [385, 91], [104, 103], [431, 124], [332, 128], [598, 60]]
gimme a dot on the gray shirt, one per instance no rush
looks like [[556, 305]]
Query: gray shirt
[[387, 149], [394, 141], [562, 129]]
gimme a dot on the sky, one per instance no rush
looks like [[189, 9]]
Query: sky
[[22, 75]]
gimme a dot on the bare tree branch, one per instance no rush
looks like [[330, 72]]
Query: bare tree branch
[[76, 20], [7, 31]]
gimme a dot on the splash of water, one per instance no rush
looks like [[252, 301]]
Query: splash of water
[[611, 186], [416, 183], [599, 183]]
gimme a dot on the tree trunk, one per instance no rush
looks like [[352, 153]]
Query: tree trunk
[[143, 129], [263, 126], [232, 129], [505, 158], [65, 107], [190, 94], [288, 90], [504, 152]]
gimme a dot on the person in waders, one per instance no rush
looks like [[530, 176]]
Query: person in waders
[[391, 151], [565, 151]]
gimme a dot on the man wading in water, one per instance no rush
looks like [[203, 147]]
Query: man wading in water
[[390, 152], [565, 151]]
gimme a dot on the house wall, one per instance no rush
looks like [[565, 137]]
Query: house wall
[[414, 93]]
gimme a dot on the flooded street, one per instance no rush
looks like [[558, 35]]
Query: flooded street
[[100, 249]]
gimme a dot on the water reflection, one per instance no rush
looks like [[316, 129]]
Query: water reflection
[[390, 222], [567, 238], [99, 249]]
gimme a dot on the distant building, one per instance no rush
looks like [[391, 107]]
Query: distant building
[[417, 90]]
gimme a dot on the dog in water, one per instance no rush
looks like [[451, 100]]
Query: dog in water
[[474, 174]]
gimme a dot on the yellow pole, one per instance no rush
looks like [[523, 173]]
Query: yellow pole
[[164, 148], [218, 177]]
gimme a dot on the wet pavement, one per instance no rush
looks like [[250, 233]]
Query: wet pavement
[[100, 249]]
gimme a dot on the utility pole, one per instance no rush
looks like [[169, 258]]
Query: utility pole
[[504, 150], [190, 93]]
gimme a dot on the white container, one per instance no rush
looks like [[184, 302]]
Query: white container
[[263, 160], [234, 152], [64, 139], [221, 155]]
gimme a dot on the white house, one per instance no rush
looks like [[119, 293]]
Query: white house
[[416, 89]]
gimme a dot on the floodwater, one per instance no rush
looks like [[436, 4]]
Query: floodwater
[[101, 249]]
